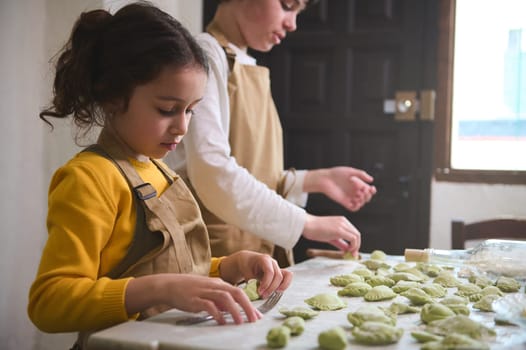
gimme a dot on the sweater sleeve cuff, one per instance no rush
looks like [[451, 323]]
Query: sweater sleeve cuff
[[214, 267], [115, 303]]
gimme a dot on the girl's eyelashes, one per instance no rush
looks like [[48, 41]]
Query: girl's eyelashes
[[291, 5], [167, 113], [175, 111]]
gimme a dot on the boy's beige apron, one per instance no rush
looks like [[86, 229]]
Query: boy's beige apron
[[170, 235], [256, 141]]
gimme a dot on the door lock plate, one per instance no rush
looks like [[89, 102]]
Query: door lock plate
[[406, 105]]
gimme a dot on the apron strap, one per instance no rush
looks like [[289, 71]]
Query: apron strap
[[158, 214], [213, 29], [144, 241]]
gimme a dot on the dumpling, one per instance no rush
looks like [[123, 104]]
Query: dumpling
[[401, 267], [378, 255], [364, 272], [454, 299], [303, 312], [343, 280], [491, 290], [356, 289], [424, 337], [376, 333], [417, 296], [465, 290], [367, 313], [278, 337], [296, 325], [458, 304], [402, 308], [461, 324], [435, 290], [459, 309], [435, 311], [405, 276], [429, 269], [485, 303], [333, 339], [379, 293], [508, 284], [446, 279], [455, 341], [373, 264], [325, 302], [251, 289], [481, 281], [402, 286], [380, 281]]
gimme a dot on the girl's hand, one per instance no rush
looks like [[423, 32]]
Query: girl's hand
[[245, 265], [347, 186], [192, 293]]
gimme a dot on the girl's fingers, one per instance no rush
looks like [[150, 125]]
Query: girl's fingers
[[228, 299], [242, 300], [273, 278], [277, 278], [266, 266], [287, 280], [209, 306]]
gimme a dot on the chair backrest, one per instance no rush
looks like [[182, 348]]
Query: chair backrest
[[487, 229]]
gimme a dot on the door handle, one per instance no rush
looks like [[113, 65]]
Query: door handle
[[407, 104]]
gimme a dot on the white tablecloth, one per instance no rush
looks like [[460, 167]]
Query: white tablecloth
[[310, 278]]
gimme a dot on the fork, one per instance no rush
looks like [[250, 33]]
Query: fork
[[271, 301]]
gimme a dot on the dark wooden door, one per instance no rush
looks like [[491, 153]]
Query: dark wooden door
[[329, 81]]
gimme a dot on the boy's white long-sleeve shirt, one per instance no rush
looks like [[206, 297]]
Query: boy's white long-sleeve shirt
[[227, 189]]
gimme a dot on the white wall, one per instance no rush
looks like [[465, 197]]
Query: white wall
[[22, 202], [31, 31], [471, 202]]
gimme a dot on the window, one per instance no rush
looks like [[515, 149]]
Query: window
[[481, 92]]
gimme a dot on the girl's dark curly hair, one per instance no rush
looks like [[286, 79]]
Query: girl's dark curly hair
[[107, 56]]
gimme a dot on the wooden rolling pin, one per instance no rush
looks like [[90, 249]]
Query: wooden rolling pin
[[327, 253]]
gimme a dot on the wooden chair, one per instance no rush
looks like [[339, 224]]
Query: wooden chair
[[486, 229]]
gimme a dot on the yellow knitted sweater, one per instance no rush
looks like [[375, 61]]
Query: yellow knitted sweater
[[91, 222]]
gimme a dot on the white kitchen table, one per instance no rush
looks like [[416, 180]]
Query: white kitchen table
[[310, 278]]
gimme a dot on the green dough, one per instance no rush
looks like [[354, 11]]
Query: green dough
[[326, 302], [251, 289], [278, 337], [376, 333], [296, 325], [333, 339]]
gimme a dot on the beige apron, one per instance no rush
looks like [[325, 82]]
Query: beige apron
[[256, 141], [170, 235]]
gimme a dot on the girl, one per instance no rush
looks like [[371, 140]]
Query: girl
[[242, 194], [126, 239]]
